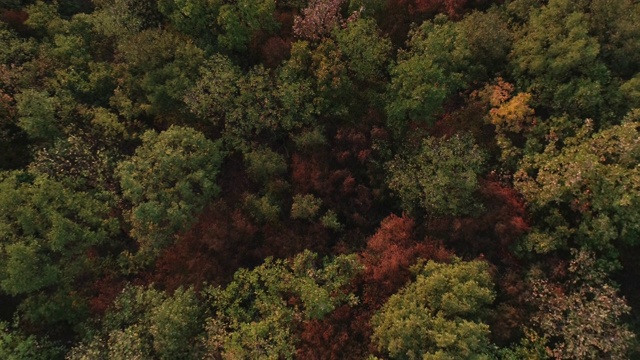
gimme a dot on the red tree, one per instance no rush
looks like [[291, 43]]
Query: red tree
[[212, 250], [390, 252]]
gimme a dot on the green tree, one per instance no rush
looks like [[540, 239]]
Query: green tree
[[37, 115], [14, 345], [585, 193], [154, 69], [124, 18], [557, 59], [615, 23], [263, 164], [193, 17], [145, 323], [367, 54], [255, 103], [255, 316], [489, 38], [168, 181], [327, 71], [439, 315], [16, 50], [441, 178], [305, 206], [79, 162], [45, 240], [242, 20], [435, 66]]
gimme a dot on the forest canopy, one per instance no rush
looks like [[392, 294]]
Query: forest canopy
[[319, 179]]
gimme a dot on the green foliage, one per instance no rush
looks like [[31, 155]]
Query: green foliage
[[37, 115], [15, 50], [309, 139], [255, 316], [305, 206], [435, 67], [557, 59], [17, 346], [322, 73], [123, 18], [368, 8], [116, 18], [489, 40], [330, 220], [144, 323], [241, 20], [441, 178], [367, 52], [246, 105], [262, 208], [77, 162], [114, 114], [45, 240], [531, 347], [263, 164], [585, 193], [155, 69], [192, 17], [213, 95], [43, 17], [439, 315], [631, 91], [168, 181], [615, 23]]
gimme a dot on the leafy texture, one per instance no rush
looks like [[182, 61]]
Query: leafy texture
[[184, 167], [441, 178], [439, 315]]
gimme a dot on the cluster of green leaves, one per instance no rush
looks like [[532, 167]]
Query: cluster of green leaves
[[439, 315], [47, 234], [441, 178], [256, 314], [585, 192], [169, 180], [144, 323]]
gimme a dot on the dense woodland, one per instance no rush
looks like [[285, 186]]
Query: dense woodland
[[319, 179]]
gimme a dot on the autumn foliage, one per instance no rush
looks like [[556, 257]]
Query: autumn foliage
[[319, 179]]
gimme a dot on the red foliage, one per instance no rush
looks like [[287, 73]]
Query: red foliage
[[215, 247], [286, 19], [492, 233], [309, 173], [7, 109], [284, 240], [343, 334], [274, 51], [107, 289], [453, 8], [15, 19], [334, 181], [389, 255]]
